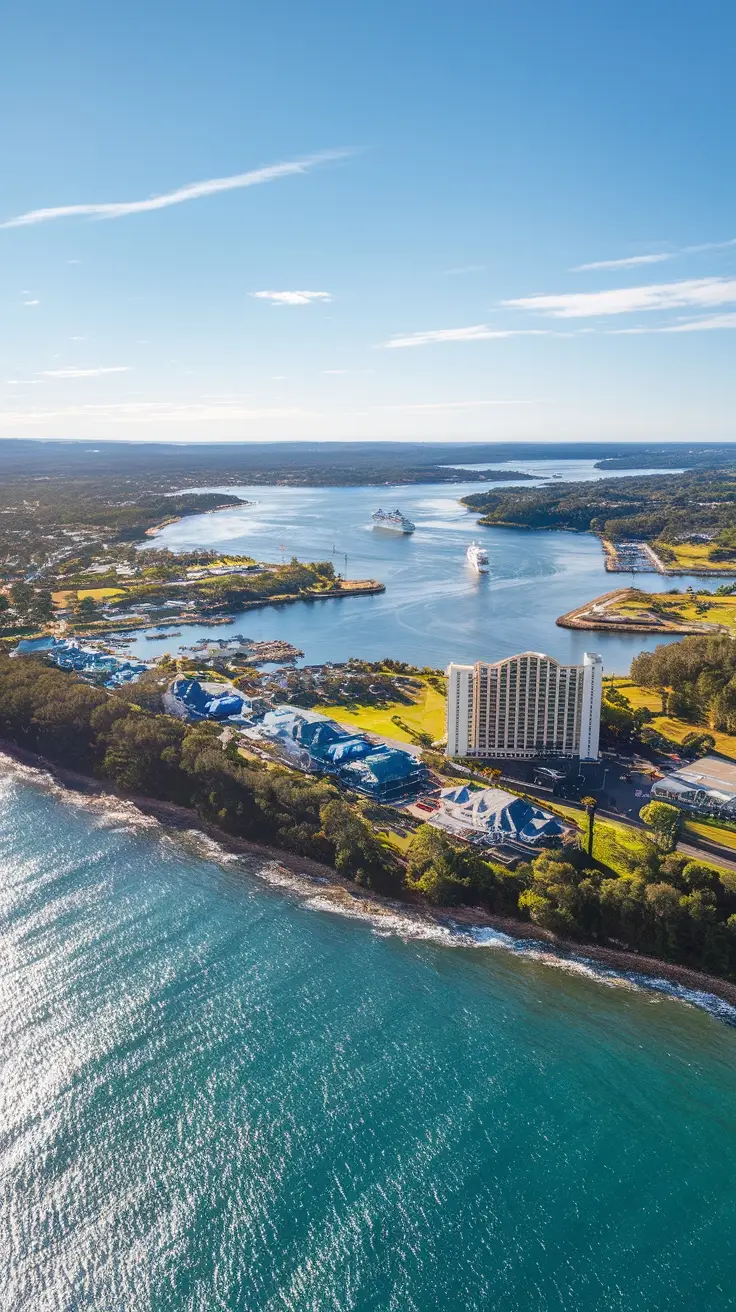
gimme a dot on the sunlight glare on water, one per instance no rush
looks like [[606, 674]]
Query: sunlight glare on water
[[216, 1095]]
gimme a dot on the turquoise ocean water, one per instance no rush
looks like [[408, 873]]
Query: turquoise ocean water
[[218, 1094]]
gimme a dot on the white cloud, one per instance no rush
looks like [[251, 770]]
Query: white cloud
[[709, 246], [193, 191], [700, 292], [478, 332], [152, 412], [335, 372], [292, 298], [709, 324], [34, 302], [713, 322], [628, 263], [86, 373]]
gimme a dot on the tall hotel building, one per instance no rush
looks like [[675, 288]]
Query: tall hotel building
[[525, 706]]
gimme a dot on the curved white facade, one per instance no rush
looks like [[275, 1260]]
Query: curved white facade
[[525, 706]]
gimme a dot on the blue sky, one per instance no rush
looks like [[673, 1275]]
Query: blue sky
[[412, 194]]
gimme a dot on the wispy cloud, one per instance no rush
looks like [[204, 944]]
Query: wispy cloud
[[151, 412], [709, 246], [629, 262], [292, 298], [34, 301], [476, 333], [658, 257], [86, 373], [701, 292], [335, 372], [193, 191], [710, 323]]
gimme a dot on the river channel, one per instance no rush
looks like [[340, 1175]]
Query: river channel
[[435, 608]]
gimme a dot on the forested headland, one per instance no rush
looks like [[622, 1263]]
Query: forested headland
[[666, 507]]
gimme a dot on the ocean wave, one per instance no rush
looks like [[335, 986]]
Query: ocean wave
[[104, 809], [396, 920], [613, 976]]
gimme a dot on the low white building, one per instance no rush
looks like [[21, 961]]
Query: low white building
[[493, 815], [707, 786]]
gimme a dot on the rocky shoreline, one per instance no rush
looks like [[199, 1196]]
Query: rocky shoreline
[[348, 897]]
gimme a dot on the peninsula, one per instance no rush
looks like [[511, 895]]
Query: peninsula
[[631, 610]]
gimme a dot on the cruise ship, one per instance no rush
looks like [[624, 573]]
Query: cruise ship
[[393, 520], [477, 557]]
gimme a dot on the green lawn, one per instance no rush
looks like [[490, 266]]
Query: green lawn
[[681, 608], [425, 715], [400, 842], [724, 834], [696, 555], [668, 725], [618, 846]]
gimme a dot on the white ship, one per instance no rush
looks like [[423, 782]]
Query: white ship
[[477, 557], [393, 520]]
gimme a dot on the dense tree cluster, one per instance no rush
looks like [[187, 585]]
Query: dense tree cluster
[[122, 738], [666, 906], [700, 673], [39, 516], [449, 875]]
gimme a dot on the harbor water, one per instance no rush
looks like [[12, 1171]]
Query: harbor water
[[436, 608]]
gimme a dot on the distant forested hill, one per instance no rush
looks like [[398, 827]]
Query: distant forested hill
[[163, 465]]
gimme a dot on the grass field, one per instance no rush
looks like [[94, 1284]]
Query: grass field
[[426, 715], [680, 608], [669, 725], [696, 555], [97, 594], [713, 833], [400, 842], [618, 846]]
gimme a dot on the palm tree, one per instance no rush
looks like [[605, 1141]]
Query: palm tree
[[590, 804]]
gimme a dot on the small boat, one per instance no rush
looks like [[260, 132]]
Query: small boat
[[477, 557]]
